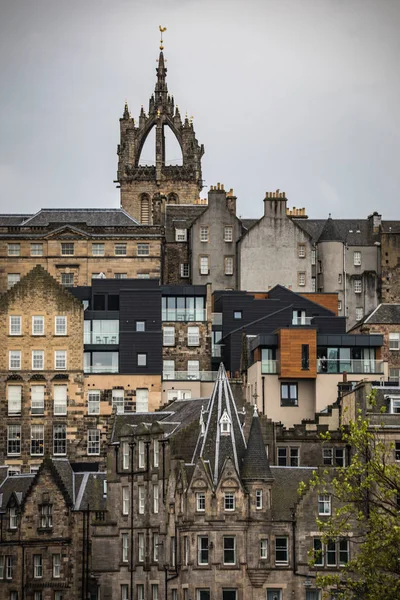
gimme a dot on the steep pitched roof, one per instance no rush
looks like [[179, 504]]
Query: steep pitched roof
[[215, 446], [384, 314], [93, 217], [17, 485], [354, 232], [285, 494], [181, 216], [255, 462], [330, 233]]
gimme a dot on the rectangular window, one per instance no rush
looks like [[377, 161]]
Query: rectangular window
[[142, 451], [56, 566], [125, 500], [274, 594], [228, 233], [142, 498], [155, 547], [343, 551], [143, 249], [15, 325], [125, 547], [318, 553], [124, 592], [125, 455], [155, 498], [204, 233], [60, 325], [193, 369], [193, 336], [37, 440], [60, 360], [305, 357], [202, 550], [12, 279], [13, 517], [339, 278], [340, 457], [142, 360], [67, 249], [37, 360], [186, 550], [172, 553], [142, 400], [120, 275], [327, 456], [97, 249], [357, 259], [37, 566], [294, 457], [313, 257], [180, 235], [229, 501], [394, 374], [289, 394], [140, 591], [118, 402], [282, 456], [259, 499], [46, 516], [169, 336], [359, 314], [301, 278], [60, 399], [156, 453], [394, 341], [264, 548], [59, 440], [36, 249], [331, 553], [397, 451], [9, 567], [395, 405], [301, 250], [14, 440], [36, 596], [154, 592], [14, 249], [229, 550], [140, 325], [200, 501], [203, 594], [67, 279], [339, 305], [15, 359], [357, 286], [237, 315], [281, 551], [38, 325], [94, 402], [313, 284], [228, 263], [324, 504], [168, 369], [14, 396], [141, 547], [93, 442], [185, 270], [120, 249], [204, 265]]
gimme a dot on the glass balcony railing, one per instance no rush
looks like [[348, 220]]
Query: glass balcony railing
[[184, 314], [302, 320], [350, 366], [100, 369], [190, 375], [101, 338], [269, 367]]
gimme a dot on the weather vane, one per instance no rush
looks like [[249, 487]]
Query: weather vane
[[162, 29]]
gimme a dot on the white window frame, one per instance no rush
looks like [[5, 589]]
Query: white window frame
[[201, 549], [125, 547], [193, 369], [14, 399], [60, 325], [56, 566], [193, 336], [168, 336], [185, 270], [141, 547], [394, 341], [38, 325], [60, 443], [204, 233], [357, 286], [67, 249], [180, 235], [15, 327], [155, 547], [142, 454], [125, 500], [13, 517], [120, 275], [156, 496], [37, 435], [142, 400], [14, 363], [60, 399], [200, 501], [12, 279], [324, 505], [142, 499], [301, 251], [14, 249], [229, 501], [98, 249], [228, 265], [204, 265], [37, 399], [283, 548], [124, 591], [37, 566], [36, 249], [228, 233], [143, 249], [156, 452], [67, 279], [264, 548], [259, 499], [229, 537], [60, 360], [301, 278], [394, 405], [357, 258], [168, 369], [37, 360], [94, 402], [120, 249], [118, 401], [359, 313], [93, 442]]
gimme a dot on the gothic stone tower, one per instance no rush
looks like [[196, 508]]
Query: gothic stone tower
[[146, 189]]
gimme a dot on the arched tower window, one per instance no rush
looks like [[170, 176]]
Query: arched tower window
[[145, 209]]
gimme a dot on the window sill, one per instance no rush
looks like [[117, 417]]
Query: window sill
[[45, 529]]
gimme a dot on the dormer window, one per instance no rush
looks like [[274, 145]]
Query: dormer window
[[46, 516], [13, 517], [225, 423]]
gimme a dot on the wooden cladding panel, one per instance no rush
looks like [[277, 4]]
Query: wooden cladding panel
[[290, 353], [329, 301]]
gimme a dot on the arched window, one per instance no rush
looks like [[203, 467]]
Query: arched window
[[225, 423], [145, 209]]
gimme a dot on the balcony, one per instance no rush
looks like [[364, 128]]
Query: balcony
[[350, 366], [184, 314], [190, 375], [269, 367], [101, 338], [302, 321]]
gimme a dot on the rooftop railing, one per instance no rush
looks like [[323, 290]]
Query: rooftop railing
[[350, 366]]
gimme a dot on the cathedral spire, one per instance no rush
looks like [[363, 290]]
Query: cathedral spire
[[161, 85]]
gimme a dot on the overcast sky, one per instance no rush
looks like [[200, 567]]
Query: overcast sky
[[301, 95]]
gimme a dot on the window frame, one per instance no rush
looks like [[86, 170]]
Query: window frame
[[227, 550], [229, 266], [193, 335], [56, 568], [36, 354], [291, 400], [18, 330], [204, 233], [14, 440], [357, 258], [301, 250], [98, 246], [200, 502], [93, 402], [14, 249], [67, 279], [203, 553], [168, 335], [60, 360], [60, 403], [229, 501], [14, 404], [228, 238], [60, 331], [180, 234], [37, 566], [37, 439], [324, 505], [282, 549], [394, 341], [125, 502], [59, 442], [141, 362], [93, 442], [65, 248], [357, 285], [301, 278], [204, 264], [12, 279], [259, 499], [14, 356], [264, 549], [120, 249], [38, 320], [143, 249]]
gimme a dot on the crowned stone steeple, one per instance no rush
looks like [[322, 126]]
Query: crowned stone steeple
[[223, 436], [255, 464], [145, 189]]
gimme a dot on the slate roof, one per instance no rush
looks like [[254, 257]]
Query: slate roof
[[391, 226], [90, 493], [284, 494], [181, 216], [384, 313], [213, 446], [354, 232], [255, 462], [92, 217], [13, 220], [19, 484], [248, 223]]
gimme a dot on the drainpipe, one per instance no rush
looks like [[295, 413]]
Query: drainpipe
[[263, 395], [294, 541], [83, 554], [344, 282], [87, 550], [23, 573]]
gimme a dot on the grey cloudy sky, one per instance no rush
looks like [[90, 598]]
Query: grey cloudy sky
[[301, 95]]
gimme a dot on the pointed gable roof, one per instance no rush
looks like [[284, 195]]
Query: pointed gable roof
[[216, 446], [255, 462], [330, 232]]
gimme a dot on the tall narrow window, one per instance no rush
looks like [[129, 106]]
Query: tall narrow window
[[60, 325], [142, 400], [301, 250], [155, 498], [125, 500], [301, 278], [142, 498], [357, 259], [264, 548], [324, 504], [56, 566], [202, 550], [12, 279], [229, 550], [145, 209], [156, 453], [155, 547], [37, 360], [125, 547], [141, 547], [15, 325], [305, 357], [60, 360], [94, 402], [37, 440], [93, 442], [37, 566], [204, 233], [204, 265], [118, 402], [281, 551], [193, 336], [14, 359], [13, 517], [228, 233], [14, 440], [60, 440], [14, 395], [169, 336], [259, 499], [60, 399], [228, 262]]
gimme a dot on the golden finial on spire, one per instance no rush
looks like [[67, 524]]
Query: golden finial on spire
[[162, 29]]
